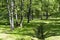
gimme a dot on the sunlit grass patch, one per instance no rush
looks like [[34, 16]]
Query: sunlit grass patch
[[14, 37], [4, 36], [53, 38]]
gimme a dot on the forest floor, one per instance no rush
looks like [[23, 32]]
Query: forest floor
[[51, 30]]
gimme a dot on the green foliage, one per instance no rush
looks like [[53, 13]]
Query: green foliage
[[39, 8]]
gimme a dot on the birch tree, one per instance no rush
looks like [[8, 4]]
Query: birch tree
[[21, 13], [12, 13], [9, 12]]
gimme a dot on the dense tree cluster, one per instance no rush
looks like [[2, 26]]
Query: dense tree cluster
[[16, 12], [19, 10]]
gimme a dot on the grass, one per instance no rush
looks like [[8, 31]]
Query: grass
[[53, 38], [51, 30], [13, 37], [17, 34]]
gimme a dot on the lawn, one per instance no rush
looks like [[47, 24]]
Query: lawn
[[28, 32]]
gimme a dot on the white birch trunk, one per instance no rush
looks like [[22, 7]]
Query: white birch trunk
[[9, 12], [12, 12]]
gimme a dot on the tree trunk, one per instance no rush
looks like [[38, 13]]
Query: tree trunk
[[12, 12], [28, 17], [29, 12], [16, 18], [21, 21], [16, 15], [21, 15], [8, 8]]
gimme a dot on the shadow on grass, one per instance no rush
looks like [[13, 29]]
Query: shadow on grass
[[51, 30], [30, 29]]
